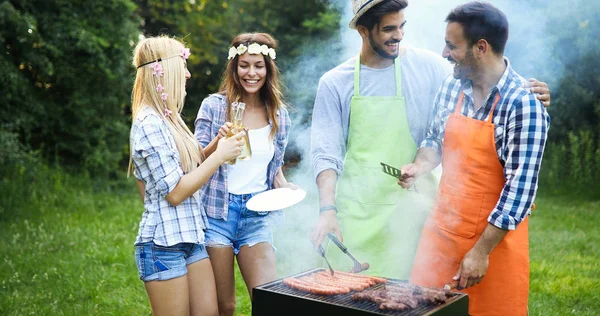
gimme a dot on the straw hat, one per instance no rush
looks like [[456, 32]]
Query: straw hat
[[359, 7]]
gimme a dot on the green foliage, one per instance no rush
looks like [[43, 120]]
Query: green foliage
[[571, 161], [67, 78], [572, 165], [209, 26], [67, 74]]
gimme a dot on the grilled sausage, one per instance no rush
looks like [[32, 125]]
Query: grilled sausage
[[360, 276], [324, 278], [311, 287]]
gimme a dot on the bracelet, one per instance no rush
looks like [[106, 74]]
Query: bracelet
[[327, 208]]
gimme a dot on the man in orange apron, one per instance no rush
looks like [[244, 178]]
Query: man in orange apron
[[491, 133], [373, 108]]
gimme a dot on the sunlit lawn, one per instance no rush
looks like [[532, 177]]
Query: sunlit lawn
[[565, 257], [70, 252]]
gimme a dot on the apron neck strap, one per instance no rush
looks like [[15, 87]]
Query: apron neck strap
[[496, 99], [461, 97], [458, 109], [398, 73]]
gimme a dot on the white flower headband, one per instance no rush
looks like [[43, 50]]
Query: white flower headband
[[159, 72], [253, 49]]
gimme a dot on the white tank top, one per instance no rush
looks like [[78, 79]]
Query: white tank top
[[250, 176]]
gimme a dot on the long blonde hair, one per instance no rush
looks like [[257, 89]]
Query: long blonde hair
[[270, 92], [145, 92]]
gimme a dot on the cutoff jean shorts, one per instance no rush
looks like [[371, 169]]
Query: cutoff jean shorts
[[161, 263], [242, 227]]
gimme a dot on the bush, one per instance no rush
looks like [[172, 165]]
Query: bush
[[572, 166]]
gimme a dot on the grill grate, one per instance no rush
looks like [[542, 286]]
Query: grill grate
[[275, 298]]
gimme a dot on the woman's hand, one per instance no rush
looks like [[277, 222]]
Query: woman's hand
[[285, 184], [230, 148], [281, 182], [224, 130]]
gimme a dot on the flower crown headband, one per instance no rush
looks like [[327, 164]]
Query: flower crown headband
[[253, 49], [159, 72]]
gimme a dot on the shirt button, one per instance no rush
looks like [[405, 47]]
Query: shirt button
[[499, 131]]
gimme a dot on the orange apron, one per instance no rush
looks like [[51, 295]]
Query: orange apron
[[471, 184]]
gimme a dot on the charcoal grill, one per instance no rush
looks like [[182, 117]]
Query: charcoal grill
[[275, 298]]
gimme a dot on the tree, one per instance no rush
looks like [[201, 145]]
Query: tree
[[209, 26], [68, 78]]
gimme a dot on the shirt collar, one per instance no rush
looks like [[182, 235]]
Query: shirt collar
[[501, 86]]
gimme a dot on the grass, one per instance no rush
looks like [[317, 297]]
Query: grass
[[565, 257], [67, 250]]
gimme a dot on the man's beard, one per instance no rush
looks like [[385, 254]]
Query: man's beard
[[380, 50], [463, 70]]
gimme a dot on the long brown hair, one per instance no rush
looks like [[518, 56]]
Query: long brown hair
[[145, 93], [270, 93]]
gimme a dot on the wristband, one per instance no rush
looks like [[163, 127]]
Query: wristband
[[327, 208]]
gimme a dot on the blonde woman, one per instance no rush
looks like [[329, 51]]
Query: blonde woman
[[252, 77], [169, 249]]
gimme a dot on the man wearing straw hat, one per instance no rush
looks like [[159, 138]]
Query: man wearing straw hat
[[370, 109]]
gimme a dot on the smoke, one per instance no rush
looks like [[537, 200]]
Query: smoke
[[530, 48]]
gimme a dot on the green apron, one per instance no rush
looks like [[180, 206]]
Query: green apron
[[380, 221]]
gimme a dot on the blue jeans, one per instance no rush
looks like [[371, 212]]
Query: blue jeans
[[242, 227], [156, 262]]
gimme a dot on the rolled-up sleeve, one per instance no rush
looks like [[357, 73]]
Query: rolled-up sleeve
[[435, 134], [153, 145], [327, 143], [203, 123], [526, 136], [285, 124]]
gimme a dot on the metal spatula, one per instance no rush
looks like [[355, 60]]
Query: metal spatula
[[394, 172]]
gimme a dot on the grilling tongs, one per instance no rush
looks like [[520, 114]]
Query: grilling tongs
[[358, 267], [322, 253]]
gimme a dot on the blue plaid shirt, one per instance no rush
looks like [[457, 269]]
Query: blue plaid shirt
[[157, 163], [521, 124], [211, 116]]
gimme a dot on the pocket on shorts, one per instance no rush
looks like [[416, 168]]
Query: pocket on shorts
[[167, 258]]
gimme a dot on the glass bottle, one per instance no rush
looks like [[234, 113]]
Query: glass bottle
[[246, 149], [232, 131], [237, 114]]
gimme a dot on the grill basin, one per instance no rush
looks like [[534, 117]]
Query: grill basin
[[275, 298]]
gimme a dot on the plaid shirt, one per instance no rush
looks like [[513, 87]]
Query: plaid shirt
[[211, 116], [157, 163], [521, 124]]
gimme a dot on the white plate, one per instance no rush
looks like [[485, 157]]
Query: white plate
[[276, 199]]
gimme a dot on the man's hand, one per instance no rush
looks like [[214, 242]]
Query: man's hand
[[541, 90], [327, 223], [472, 269], [409, 174]]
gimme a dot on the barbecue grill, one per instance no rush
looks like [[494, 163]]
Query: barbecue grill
[[275, 298]]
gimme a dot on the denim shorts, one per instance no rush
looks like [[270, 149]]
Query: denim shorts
[[242, 227], [161, 263]]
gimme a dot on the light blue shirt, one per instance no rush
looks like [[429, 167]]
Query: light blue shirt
[[423, 72]]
